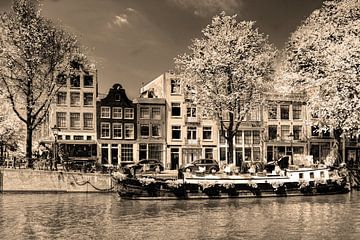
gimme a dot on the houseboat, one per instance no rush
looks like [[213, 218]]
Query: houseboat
[[295, 181]]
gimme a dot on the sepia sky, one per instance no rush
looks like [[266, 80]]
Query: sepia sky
[[134, 41]]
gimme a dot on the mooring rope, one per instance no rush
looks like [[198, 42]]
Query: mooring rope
[[92, 185]]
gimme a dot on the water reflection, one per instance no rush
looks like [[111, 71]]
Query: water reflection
[[97, 216]]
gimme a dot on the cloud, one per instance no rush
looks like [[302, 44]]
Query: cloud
[[121, 20], [131, 10], [205, 8]]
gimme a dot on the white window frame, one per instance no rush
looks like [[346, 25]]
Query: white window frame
[[117, 126], [205, 129], [103, 113], [102, 124], [129, 126], [128, 113], [115, 111]]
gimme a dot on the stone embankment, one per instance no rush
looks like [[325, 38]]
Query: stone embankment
[[27, 180]]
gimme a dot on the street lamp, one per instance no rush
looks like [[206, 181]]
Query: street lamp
[[291, 136], [55, 131]]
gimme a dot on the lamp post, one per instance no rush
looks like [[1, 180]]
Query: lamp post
[[55, 131], [291, 136]]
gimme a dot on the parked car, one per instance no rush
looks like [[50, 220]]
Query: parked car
[[144, 165], [210, 165]]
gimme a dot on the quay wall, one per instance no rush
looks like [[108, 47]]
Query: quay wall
[[27, 180]]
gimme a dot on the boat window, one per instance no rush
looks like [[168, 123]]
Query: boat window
[[301, 175], [312, 175], [322, 174]]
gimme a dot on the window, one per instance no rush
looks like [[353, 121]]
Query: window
[[247, 154], [297, 132], [75, 99], [75, 81], [176, 132], [155, 151], [174, 156], [144, 130], [105, 112], [238, 155], [314, 131], [78, 137], [238, 137], [88, 121], [117, 130], [207, 133], [254, 115], [247, 137], [104, 153], [273, 111], [61, 98], [145, 113], [256, 153], [105, 130], [88, 80], [222, 154], [61, 79], [128, 113], [325, 133], [155, 130], [75, 120], [256, 137], [315, 113], [61, 119], [298, 150], [222, 138], [285, 131], [312, 175], [156, 113], [175, 86], [117, 112], [129, 130], [191, 111], [284, 111], [117, 97], [127, 152], [272, 132], [297, 111], [209, 153], [191, 133], [143, 151], [175, 110], [88, 99]]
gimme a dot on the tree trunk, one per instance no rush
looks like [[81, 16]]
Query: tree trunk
[[337, 147], [29, 133], [230, 148]]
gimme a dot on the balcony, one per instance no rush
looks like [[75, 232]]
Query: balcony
[[192, 119], [192, 142]]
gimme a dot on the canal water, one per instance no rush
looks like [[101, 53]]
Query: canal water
[[105, 216]]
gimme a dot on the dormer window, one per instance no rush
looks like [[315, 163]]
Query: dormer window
[[117, 97], [88, 80], [75, 81], [175, 86]]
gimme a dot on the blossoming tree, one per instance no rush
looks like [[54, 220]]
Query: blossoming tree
[[34, 52], [11, 130], [323, 59], [226, 72]]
